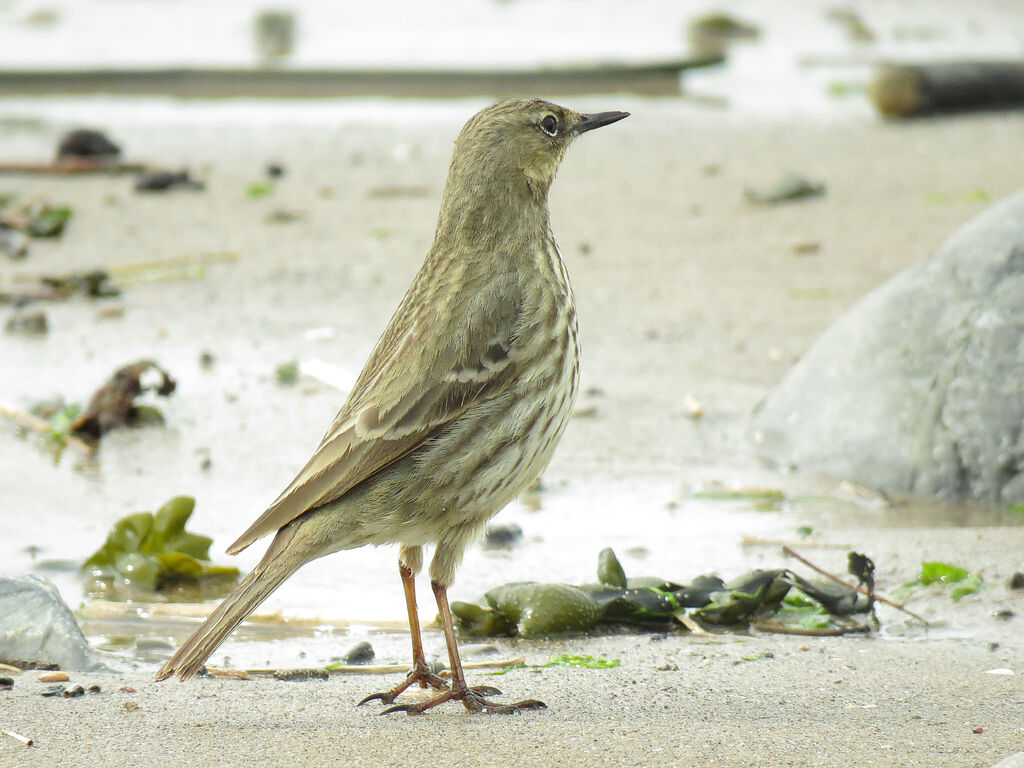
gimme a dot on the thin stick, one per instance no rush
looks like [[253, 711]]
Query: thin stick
[[42, 426], [71, 167], [516, 662], [861, 589], [747, 541], [690, 623], [782, 629], [366, 669], [18, 737]]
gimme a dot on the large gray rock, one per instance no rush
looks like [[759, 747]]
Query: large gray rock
[[37, 625], [919, 388]]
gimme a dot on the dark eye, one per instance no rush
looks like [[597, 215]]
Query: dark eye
[[549, 125]]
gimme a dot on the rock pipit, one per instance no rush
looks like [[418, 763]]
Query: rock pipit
[[461, 403]]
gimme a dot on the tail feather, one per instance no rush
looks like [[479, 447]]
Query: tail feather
[[284, 556]]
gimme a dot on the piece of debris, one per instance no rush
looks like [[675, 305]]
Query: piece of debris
[[852, 24], [13, 242], [692, 407], [113, 406], [274, 33], [153, 552], [360, 653], [274, 170], [711, 35], [791, 186], [53, 677], [530, 610], [27, 322], [162, 181], [6, 683], [301, 675], [287, 373], [806, 248], [502, 536], [911, 90], [283, 216], [18, 737], [1016, 581], [87, 143], [397, 191]]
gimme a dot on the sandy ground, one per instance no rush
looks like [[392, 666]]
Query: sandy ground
[[682, 288]]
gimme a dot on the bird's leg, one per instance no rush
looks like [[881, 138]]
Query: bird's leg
[[420, 672], [472, 698]]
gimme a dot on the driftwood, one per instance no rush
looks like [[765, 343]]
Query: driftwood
[[909, 90]]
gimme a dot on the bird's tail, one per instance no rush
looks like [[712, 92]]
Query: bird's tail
[[284, 556]]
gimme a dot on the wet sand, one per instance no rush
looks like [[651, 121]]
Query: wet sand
[[682, 289]]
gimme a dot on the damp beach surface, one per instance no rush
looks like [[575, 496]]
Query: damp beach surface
[[691, 301]]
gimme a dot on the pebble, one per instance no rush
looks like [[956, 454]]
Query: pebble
[[71, 693], [502, 536], [6, 683], [53, 677], [360, 653]]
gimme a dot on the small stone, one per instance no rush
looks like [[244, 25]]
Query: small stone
[[93, 689], [360, 653], [1016, 581], [130, 706], [53, 677], [502, 536], [53, 690], [6, 683], [29, 322], [72, 693]]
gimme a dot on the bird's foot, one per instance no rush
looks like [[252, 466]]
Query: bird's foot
[[420, 673], [474, 701]]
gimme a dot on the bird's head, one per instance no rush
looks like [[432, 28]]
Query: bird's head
[[520, 142]]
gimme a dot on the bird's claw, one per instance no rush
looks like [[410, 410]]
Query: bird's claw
[[420, 675], [474, 701]]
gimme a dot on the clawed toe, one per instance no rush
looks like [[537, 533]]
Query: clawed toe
[[474, 701], [486, 690], [419, 674]]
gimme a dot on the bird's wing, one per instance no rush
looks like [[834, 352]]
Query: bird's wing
[[426, 370]]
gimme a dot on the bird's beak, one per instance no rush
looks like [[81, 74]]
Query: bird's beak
[[596, 120]]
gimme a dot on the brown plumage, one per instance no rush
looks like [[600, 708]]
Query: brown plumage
[[462, 401]]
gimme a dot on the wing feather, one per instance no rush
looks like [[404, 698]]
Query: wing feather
[[410, 389]]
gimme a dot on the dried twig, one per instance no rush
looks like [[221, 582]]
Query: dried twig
[[42, 426], [748, 541], [783, 629], [18, 737], [863, 590], [366, 669], [690, 623], [69, 167]]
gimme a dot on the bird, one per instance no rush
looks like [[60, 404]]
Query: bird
[[459, 406]]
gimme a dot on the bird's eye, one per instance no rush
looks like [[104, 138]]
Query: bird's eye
[[549, 125]]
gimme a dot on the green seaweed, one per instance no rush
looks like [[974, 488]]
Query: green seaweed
[[609, 569], [565, 660], [257, 189], [151, 552], [936, 572], [287, 373]]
